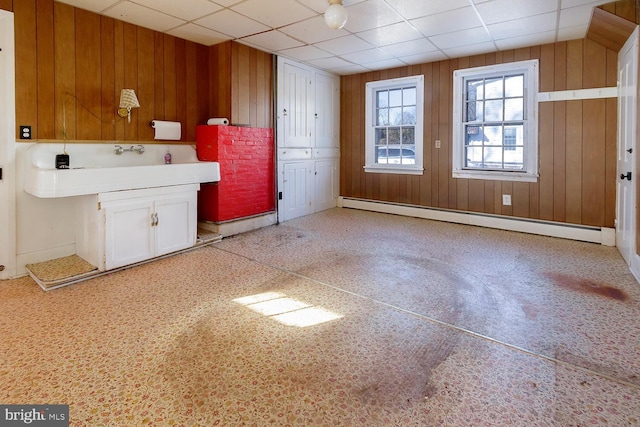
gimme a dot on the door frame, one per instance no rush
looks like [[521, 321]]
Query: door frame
[[8, 250]]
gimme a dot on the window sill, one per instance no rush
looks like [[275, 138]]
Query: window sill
[[397, 170], [496, 176]]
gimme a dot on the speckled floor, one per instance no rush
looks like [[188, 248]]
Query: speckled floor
[[422, 323]]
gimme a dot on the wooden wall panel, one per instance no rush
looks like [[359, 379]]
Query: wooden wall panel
[[576, 141], [6, 5], [71, 65]]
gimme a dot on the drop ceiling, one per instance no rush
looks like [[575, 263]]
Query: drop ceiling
[[379, 34]]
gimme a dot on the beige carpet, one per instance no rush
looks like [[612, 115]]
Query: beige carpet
[[60, 270]]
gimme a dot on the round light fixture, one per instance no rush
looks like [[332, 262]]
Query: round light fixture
[[336, 15]]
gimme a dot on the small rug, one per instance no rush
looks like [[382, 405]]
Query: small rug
[[56, 271]]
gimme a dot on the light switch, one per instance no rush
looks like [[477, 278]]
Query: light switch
[[438, 144], [506, 199]]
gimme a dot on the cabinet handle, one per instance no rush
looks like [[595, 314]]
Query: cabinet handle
[[154, 219], [157, 220], [284, 112]]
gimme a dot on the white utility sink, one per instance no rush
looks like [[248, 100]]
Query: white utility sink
[[95, 168]]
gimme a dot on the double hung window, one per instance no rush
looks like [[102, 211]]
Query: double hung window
[[495, 122]]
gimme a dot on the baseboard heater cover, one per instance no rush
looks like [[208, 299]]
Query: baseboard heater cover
[[601, 235]]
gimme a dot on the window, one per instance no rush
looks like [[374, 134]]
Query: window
[[394, 126], [495, 134]]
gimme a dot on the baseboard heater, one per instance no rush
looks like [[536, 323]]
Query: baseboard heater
[[603, 235]]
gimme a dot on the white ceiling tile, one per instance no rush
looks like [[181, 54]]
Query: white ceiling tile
[[366, 56], [572, 33], [226, 3], [383, 65], [520, 27], [344, 45], [305, 53], [330, 63], [506, 10], [271, 41], [91, 5], [528, 40], [468, 50], [394, 33], [198, 34], [183, 9], [350, 69], [274, 13], [370, 14], [144, 17], [422, 58], [413, 47], [411, 9], [312, 30], [459, 19], [575, 16], [572, 3], [460, 38], [229, 22]]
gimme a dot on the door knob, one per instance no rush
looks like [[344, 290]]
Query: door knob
[[627, 176]]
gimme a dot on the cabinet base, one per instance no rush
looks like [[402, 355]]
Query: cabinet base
[[59, 272]]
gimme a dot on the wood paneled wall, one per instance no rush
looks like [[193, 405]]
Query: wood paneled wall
[[242, 84], [577, 141], [6, 5], [71, 65]]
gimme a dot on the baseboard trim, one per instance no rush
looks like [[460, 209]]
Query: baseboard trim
[[602, 235], [230, 228]]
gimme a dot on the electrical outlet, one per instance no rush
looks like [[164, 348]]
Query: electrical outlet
[[506, 199], [25, 132], [438, 144]]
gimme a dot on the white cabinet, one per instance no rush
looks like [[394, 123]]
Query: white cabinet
[[125, 227], [308, 105]]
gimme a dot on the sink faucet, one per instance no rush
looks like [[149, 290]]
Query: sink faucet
[[136, 149]]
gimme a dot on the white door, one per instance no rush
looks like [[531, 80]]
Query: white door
[[129, 232], [326, 184], [327, 114], [626, 174], [297, 187], [294, 107], [175, 224], [7, 148]]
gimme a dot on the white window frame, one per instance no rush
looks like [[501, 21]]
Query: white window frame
[[370, 108], [530, 71]]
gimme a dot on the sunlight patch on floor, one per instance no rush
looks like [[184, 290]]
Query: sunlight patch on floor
[[288, 311]]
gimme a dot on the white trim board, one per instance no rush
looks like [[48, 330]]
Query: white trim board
[[577, 94], [603, 235]]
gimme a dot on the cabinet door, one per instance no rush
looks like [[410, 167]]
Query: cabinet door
[[129, 235], [297, 192], [294, 111], [326, 184], [327, 111], [176, 226]]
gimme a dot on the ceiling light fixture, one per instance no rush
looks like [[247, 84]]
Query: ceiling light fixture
[[336, 15]]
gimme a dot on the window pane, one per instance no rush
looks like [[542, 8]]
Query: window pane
[[381, 137], [493, 135], [408, 136], [514, 86], [383, 99], [514, 109], [514, 159], [395, 98], [493, 88], [381, 155], [382, 118], [493, 110], [474, 135], [473, 157], [393, 136], [475, 111], [409, 96], [492, 157], [408, 156], [409, 116], [474, 90], [395, 116]]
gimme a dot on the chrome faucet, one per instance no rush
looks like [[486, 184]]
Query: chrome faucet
[[136, 149]]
